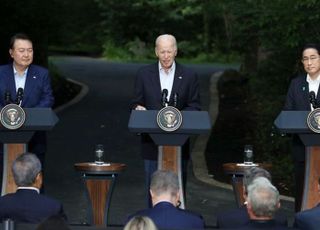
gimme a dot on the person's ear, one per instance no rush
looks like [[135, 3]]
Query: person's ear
[[156, 52], [244, 195], [278, 205], [39, 179], [10, 52]]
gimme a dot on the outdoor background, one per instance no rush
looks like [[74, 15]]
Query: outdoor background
[[262, 39]]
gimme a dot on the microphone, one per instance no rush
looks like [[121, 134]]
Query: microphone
[[19, 96], [7, 97], [175, 100], [164, 97], [312, 99]]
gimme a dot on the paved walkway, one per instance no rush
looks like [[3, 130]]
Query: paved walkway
[[100, 115]]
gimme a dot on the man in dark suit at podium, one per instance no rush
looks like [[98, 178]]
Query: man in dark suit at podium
[[33, 81], [165, 214], [182, 86], [298, 98], [26, 204]]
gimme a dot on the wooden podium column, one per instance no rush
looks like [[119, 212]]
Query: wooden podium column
[[10, 153], [169, 158], [311, 178]]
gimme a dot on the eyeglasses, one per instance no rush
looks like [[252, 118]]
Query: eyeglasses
[[311, 59]]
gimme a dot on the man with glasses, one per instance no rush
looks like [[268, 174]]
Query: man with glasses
[[298, 99]]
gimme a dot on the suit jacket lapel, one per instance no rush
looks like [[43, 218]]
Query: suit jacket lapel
[[30, 80], [178, 77], [305, 89], [11, 85], [155, 79]]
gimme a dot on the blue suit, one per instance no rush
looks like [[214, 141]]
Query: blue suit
[[27, 206], [308, 219], [37, 93], [167, 216], [37, 90]]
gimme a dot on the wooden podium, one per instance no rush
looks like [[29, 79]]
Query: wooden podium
[[99, 181], [296, 122], [15, 141], [169, 143]]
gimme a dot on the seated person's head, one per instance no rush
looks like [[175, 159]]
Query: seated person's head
[[164, 186], [251, 174], [140, 223], [26, 171], [263, 199]]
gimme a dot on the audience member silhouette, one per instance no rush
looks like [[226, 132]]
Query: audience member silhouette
[[26, 204], [164, 190], [239, 216], [262, 203]]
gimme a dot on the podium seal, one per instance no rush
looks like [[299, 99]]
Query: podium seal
[[12, 116], [313, 120], [169, 119]]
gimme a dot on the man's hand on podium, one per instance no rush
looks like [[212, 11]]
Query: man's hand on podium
[[140, 107]]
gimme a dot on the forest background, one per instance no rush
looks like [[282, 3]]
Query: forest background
[[263, 37]]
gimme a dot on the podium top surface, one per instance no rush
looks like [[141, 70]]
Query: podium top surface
[[37, 119], [193, 122], [292, 122]]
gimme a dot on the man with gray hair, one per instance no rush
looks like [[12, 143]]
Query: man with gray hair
[[262, 203], [182, 87], [27, 205], [165, 196], [239, 217]]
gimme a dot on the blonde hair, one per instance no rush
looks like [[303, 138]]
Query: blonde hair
[[140, 223]]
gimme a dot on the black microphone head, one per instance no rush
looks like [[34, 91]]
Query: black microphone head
[[165, 92], [312, 99], [20, 91], [312, 95], [164, 97], [19, 96]]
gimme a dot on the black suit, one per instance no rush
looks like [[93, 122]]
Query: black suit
[[147, 93], [239, 217], [298, 99]]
